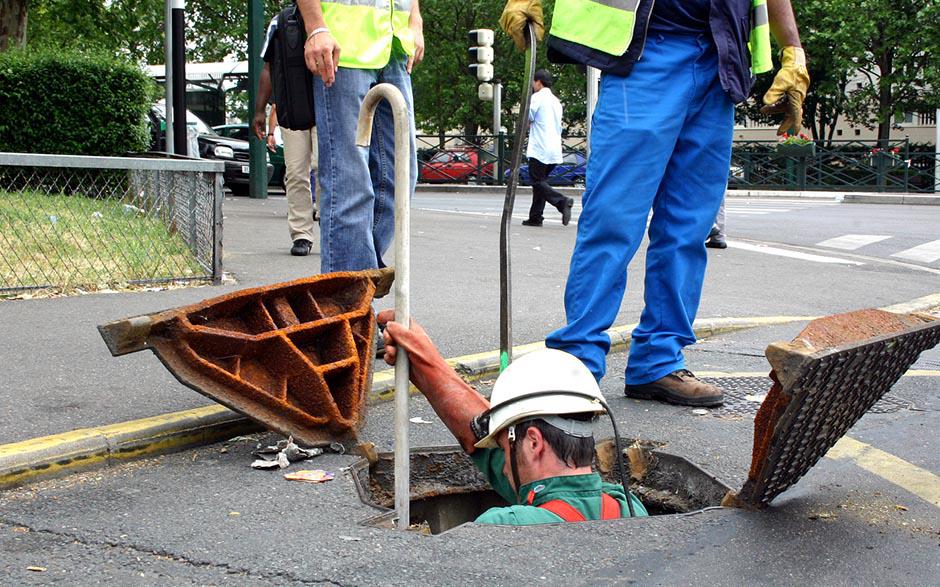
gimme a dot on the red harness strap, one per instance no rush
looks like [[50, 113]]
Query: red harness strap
[[610, 509]]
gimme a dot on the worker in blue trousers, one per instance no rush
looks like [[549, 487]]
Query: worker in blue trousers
[[672, 71]]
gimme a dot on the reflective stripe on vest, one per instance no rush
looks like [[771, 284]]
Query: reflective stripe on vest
[[605, 25], [366, 29], [610, 509], [759, 42]]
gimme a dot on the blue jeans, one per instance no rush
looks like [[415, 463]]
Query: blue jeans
[[661, 141], [357, 184]]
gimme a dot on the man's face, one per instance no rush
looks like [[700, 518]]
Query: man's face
[[537, 86]]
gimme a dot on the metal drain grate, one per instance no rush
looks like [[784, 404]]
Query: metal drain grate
[[737, 390]]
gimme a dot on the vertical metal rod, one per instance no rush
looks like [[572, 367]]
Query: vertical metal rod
[[497, 124], [593, 79], [505, 270], [936, 149], [257, 151], [180, 137], [168, 78], [402, 275]]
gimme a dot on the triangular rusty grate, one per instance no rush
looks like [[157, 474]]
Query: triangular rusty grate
[[296, 357], [825, 380]]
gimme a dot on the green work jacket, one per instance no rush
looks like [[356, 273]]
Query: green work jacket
[[583, 492]]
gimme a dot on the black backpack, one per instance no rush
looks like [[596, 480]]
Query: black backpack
[[292, 81]]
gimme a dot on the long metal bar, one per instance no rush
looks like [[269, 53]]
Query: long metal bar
[[168, 77], [180, 136], [505, 270], [257, 152], [402, 274], [94, 162]]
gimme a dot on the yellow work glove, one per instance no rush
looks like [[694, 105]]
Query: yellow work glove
[[515, 16], [788, 90]]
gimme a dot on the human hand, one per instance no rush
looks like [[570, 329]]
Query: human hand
[[417, 28], [258, 124], [321, 52], [272, 144], [788, 91], [515, 16]]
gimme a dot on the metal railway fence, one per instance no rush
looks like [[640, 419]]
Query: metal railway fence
[[896, 166], [97, 222]]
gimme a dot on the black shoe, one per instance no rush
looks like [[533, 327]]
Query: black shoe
[[716, 242], [566, 211], [301, 247], [531, 223]]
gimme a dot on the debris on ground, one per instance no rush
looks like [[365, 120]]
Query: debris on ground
[[310, 476], [700, 411], [36, 569], [418, 420], [285, 452]]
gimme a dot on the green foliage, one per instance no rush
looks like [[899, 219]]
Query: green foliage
[[72, 103], [446, 95]]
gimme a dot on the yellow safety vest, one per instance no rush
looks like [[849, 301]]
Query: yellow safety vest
[[367, 29], [607, 26]]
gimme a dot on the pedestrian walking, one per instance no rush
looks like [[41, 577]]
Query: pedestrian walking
[[544, 150], [350, 47], [300, 156], [660, 142], [716, 236]]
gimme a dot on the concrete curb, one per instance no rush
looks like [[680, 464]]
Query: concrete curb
[[87, 448]]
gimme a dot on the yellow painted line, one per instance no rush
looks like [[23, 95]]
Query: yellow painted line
[[905, 475], [917, 305]]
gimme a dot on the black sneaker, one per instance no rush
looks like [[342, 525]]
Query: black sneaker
[[301, 247], [531, 223], [716, 242], [566, 211]]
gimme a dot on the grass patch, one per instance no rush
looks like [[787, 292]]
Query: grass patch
[[73, 241]]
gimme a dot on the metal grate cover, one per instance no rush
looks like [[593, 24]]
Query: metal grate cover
[[296, 357], [819, 394]]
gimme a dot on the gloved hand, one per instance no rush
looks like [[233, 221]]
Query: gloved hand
[[788, 90], [515, 16]]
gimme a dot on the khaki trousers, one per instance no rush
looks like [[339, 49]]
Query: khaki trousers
[[300, 158]]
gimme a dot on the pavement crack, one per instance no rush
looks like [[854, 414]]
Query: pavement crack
[[170, 556]]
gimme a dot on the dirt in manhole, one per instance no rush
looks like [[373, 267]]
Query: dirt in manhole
[[447, 489]]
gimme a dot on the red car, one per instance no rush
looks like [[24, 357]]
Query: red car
[[454, 166]]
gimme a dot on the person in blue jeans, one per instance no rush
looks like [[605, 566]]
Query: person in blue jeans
[[350, 47], [661, 142]]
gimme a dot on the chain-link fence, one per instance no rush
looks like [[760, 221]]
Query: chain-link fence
[[95, 222]]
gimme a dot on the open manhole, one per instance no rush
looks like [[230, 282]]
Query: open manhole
[[447, 490]]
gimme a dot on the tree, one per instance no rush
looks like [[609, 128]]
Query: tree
[[13, 23]]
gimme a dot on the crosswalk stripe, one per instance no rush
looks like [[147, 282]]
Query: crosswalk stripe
[[925, 253], [767, 250], [850, 242]]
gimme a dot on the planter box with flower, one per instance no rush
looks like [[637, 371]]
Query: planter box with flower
[[795, 146]]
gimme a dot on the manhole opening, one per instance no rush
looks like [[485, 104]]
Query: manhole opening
[[447, 490]]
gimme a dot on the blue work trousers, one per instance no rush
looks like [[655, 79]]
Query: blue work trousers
[[357, 184], [660, 141]]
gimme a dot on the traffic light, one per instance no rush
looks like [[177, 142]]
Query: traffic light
[[481, 54]]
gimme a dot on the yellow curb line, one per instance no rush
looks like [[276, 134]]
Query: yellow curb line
[[905, 475]]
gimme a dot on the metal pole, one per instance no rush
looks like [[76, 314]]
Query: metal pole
[[257, 153], [402, 275], [180, 140], [168, 78], [593, 81], [497, 124], [936, 157]]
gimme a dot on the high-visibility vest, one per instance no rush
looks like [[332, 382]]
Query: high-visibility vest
[[365, 30], [610, 509], [607, 26]]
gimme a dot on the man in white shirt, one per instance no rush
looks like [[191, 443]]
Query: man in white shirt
[[544, 150]]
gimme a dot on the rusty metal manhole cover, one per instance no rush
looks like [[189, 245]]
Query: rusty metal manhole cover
[[296, 357], [827, 378], [740, 394]]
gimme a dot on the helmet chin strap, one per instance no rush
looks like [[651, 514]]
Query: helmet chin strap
[[513, 463]]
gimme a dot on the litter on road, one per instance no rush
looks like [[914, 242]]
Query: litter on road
[[310, 476]]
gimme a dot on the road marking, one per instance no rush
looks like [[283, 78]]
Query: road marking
[[738, 374], [850, 242], [767, 250], [905, 475], [925, 253]]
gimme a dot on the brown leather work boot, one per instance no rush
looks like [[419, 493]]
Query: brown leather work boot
[[679, 387]]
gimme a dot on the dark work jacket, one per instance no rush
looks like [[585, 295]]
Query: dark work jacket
[[729, 23]]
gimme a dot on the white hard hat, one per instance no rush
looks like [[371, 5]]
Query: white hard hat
[[541, 372]]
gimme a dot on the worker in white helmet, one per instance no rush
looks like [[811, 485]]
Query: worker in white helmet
[[534, 443]]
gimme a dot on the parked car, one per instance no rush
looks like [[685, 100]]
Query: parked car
[[454, 166], [233, 152], [570, 171], [240, 131]]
